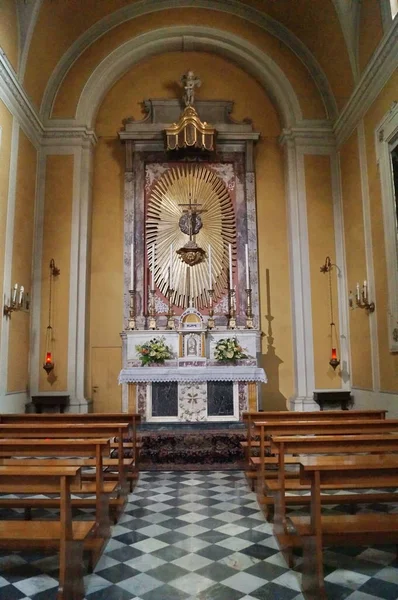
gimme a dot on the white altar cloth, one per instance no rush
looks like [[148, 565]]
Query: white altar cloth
[[191, 374]]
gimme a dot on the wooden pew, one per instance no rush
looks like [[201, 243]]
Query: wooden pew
[[65, 535], [264, 429], [275, 491], [319, 530], [75, 430], [133, 418], [97, 448], [250, 417]]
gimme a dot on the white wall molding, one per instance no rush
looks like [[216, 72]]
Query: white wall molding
[[9, 247], [365, 399], [370, 274], [28, 13], [300, 281], [16, 100], [200, 38], [144, 7], [376, 74], [386, 136]]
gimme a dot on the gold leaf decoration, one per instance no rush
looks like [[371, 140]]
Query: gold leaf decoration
[[176, 187]]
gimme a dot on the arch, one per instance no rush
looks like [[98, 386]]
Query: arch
[[233, 7], [192, 38]]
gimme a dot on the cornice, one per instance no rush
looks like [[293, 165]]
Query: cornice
[[69, 136], [380, 68], [15, 98], [317, 136]]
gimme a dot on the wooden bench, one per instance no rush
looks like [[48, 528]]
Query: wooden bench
[[84, 418], [133, 447], [99, 448], [319, 530], [284, 446], [264, 429], [54, 430], [65, 535], [250, 417]]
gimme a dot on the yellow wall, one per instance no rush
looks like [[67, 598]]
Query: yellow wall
[[313, 21], [388, 361], [57, 245], [123, 100], [370, 31], [5, 149], [321, 242], [9, 31], [356, 264], [18, 349], [70, 90]]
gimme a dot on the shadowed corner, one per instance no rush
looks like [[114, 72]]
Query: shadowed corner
[[271, 396]]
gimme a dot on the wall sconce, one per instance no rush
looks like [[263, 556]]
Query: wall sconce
[[48, 365], [361, 298], [19, 301], [334, 361]]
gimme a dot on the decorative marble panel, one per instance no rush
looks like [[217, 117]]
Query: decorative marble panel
[[165, 399], [192, 402], [220, 399]]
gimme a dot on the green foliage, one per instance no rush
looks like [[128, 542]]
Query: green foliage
[[229, 349], [154, 351]]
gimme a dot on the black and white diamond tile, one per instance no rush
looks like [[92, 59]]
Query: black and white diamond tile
[[200, 536]]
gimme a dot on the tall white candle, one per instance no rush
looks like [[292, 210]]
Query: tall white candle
[[153, 268], [21, 292], [358, 294], [230, 265], [210, 270], [171, 267], [365, 290], [247, 267], [14, 294], [132, 267]]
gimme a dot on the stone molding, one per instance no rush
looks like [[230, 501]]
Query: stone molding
[[234, 7], [17, 101], [376, 74], [249, 57]]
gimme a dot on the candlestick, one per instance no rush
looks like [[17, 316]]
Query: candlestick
[[230, 265], [210, 270], [247, 267], [170, 313], [358, 294], [210, 320], [232, 309], [152, 310], [249, 312], [365, 290], [14, 294], [131, 321], [132, 267], [153, 268], [171, 267]]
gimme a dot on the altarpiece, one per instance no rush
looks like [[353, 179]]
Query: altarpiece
[[190, 260]]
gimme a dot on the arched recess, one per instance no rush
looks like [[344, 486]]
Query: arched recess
[[233, 7], [192, 38]]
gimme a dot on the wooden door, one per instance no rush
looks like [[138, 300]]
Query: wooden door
[[105, 367]]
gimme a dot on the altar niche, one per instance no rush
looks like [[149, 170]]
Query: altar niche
[[204, 401]]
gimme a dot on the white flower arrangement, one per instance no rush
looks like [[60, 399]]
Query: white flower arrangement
[[228, 350], [154, 351]]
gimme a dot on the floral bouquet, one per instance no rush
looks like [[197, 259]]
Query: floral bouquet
[[229, 350], [154, 351]]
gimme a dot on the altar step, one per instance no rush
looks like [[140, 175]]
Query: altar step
[[192, 446]]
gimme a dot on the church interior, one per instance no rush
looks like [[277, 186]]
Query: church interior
[[198, 230]]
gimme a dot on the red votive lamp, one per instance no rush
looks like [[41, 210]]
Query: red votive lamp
[[334, 361], [48, 363]]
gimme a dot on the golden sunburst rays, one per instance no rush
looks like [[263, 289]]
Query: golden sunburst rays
[[177, 187]]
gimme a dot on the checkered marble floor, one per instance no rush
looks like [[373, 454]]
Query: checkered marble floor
[[200, 536]]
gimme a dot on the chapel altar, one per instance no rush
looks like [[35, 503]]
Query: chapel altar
[[190, 262]]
